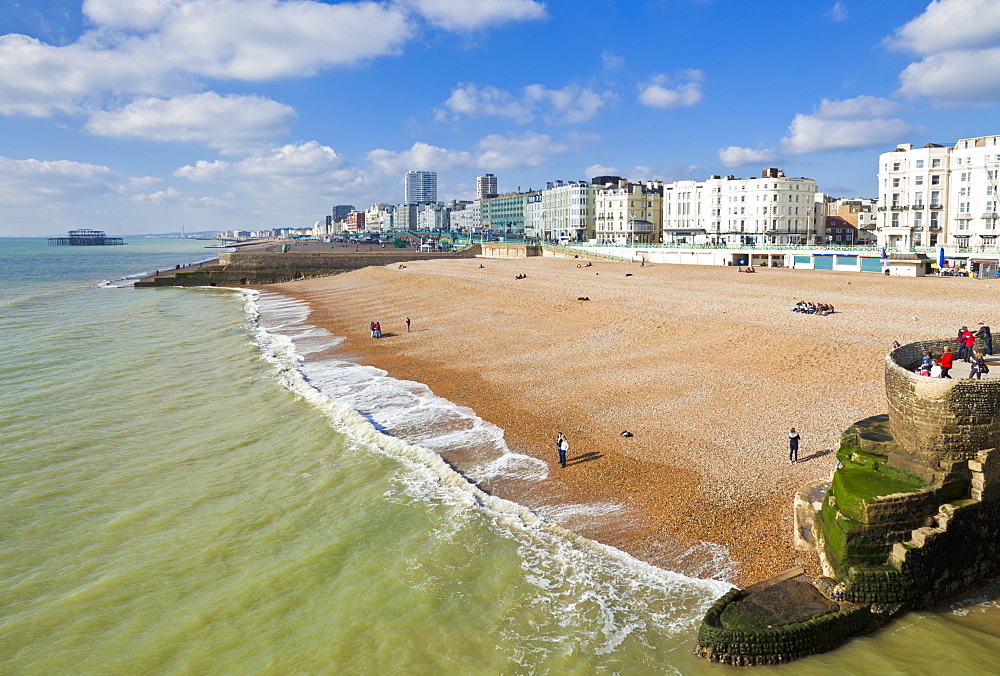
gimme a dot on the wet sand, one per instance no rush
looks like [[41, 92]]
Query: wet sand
[[707, 367]]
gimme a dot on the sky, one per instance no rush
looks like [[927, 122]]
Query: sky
[[143, 116]]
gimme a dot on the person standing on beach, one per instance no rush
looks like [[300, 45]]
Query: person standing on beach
[[793, 446], [371, 326], [562, 446], [407, 324], [966, 339]]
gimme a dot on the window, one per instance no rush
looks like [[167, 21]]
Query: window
[[934, 219], [895, 166], [918, 180], [918, 199], [895, 199], [935, 179], [935, 198], [963, 207], [895, 220], [963, 192], [936, 163], [964, 177], [918, 219], [920, 164], [895, 183]]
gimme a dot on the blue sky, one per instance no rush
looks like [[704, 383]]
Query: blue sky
[[139, 116]]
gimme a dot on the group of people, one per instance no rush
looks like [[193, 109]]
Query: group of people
[[376, 328], [521, 276], [813, 308], [750, 269]]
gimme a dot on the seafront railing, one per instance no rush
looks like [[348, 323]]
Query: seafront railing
[[796, 247]]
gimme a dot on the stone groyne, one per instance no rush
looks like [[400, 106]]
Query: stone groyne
[[243, 268], [911, 518]]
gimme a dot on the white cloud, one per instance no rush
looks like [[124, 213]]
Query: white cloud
[[681, 91], [467, 15], [947, 25], [960, 43], [735, 156], [420, 156], [515, 151], [158, 48], [45, 182], [470, 99], [861, 122], [666, 173], [290, 170], [230, 123], [838, 12], [570, 105], [955, 78]]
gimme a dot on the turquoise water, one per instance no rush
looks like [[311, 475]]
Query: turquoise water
[[189, 483]]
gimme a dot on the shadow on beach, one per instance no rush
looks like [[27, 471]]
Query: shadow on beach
[[817, 454], [586, 457]]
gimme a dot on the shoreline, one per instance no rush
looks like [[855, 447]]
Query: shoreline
[[708, 384]]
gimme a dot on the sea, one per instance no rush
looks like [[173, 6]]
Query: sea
[[196, 481]]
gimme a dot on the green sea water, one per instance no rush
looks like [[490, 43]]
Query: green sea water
[[186, 486]]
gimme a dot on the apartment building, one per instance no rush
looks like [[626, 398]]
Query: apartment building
[[420, 187], [629, 213], [504, 214], [486, 185], [433, 217], [772, 209], [568, 211], [379, 217], [936, 196]]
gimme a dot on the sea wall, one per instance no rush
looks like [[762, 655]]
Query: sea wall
[[935, 419], [240, 268]]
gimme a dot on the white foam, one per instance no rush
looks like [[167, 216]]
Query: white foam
[[574, 576]]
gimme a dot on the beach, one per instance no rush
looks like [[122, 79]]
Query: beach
[[707, 368]]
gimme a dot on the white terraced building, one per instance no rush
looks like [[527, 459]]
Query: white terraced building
[[772, 209], [567, 211], [939, 196]]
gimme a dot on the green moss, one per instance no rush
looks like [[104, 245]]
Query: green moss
[[857, 485]]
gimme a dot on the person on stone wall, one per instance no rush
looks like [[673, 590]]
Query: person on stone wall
[[986, 336], [945, 361], [966, 340], [978, 366], [793, 446]]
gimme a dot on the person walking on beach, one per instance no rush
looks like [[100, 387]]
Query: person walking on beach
[[793, 446], [945, 362], [378, 329], [562, 446], [371, 326], [407, 324], [978, 366], [986, 336]]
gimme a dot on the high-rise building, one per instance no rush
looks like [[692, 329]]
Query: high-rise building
[[341, 211], [420, 187], [486, 185]]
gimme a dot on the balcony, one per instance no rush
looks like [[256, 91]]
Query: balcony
[[936, 206], [989, 214], [897, 207], [963, 217], [935, 228], [883, 208], [918, 205]]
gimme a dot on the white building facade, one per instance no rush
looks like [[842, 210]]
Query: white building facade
[[772, 209], [629, 213], [567, 211], [939, 196]]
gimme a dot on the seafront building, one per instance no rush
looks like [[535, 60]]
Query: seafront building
[[629, 213], [464, 217], [420, 187], [486, 186], [432, 217], [730, 211], [939, 196], [503, 215], [567, 212], [379, 217]]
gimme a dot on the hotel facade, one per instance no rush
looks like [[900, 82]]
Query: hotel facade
[[939, 196]]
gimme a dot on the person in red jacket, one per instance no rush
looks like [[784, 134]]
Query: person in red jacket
[[966, 339], [945, 361]]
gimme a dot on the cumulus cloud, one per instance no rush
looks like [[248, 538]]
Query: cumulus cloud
[[570, 105], [735, 156], [515, 151], [861, 122], [230, 123], [666, 173], [960, 44], [947, 25], [34, 181], [680, 91], [467, 15], [293, 169]]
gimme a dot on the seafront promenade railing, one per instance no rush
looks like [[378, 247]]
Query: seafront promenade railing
[[949, 250]]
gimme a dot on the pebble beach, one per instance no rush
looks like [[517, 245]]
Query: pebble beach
[[706, 368]]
